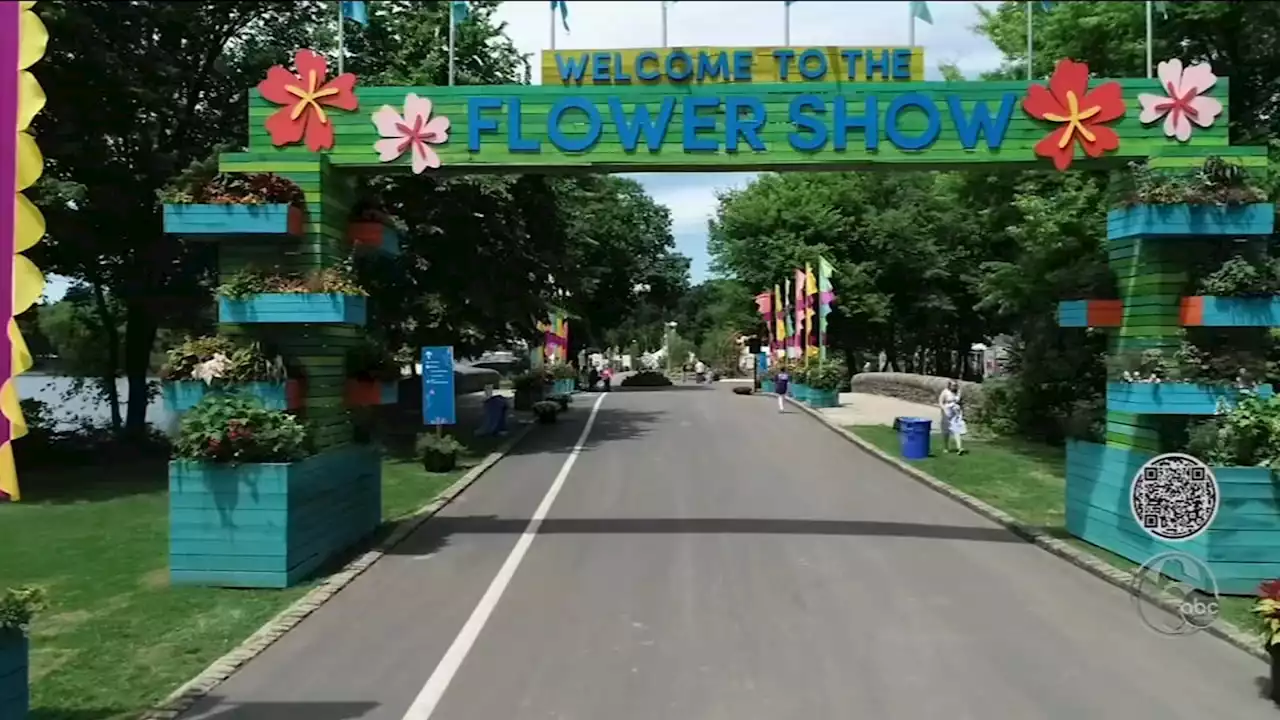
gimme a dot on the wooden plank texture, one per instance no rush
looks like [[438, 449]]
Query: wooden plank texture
[[1211, 311], [1190, 221], [199, 221], [293, 308], [1173, 398]]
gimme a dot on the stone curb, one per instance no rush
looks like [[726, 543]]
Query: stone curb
[[1122, 579], [180, 700]]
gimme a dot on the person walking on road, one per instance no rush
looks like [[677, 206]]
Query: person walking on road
[[700, 370], [606, 376], [780, 387], [953, 425]]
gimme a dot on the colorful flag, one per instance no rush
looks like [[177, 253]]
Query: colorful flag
[[355, 11], [564, 12], [920, 11], [461, 11], [779, 324], [800, 312]]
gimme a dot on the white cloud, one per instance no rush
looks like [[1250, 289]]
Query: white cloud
[[627, 24]]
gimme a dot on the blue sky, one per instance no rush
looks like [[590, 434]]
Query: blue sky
[[626, 24]]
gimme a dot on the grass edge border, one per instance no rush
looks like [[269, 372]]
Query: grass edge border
[[220, 670], [1096, 566]]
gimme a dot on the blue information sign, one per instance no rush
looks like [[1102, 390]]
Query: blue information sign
[[437, 386]]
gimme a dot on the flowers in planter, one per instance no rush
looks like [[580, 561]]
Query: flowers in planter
[[18, 606], [217, 359], [238, 429], [248, 282], [1144, 366], [438, 453], [1184, 101], [200, 188], [1246, 435], [830, 376], [1240, 277], [563, 371], [1267, 608], [1217, 182]]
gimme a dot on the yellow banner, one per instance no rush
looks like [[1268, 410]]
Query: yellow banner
[[714, 65]]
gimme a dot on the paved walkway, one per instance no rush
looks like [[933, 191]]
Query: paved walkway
[[866, 409], [675, 572]]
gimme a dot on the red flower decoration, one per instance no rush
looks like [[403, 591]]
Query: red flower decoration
[[304, 97], [1080, 111]]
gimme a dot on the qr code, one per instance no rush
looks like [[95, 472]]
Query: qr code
[[1174, 497]]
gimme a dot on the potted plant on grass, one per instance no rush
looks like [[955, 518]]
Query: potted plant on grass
[[208, 204], [1267, 608], [330, 295], [200, 366], [17, 607], [546, 411], [439, 453]]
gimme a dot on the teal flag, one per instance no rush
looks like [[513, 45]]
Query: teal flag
[[1162, 8], [461, 11], [920, 11], [1046, 5], [355, 12], [564, 12]]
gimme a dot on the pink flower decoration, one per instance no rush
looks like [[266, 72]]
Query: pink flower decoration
[[417, 131], [1185, 102]]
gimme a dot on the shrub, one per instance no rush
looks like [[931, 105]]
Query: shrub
[[238, 189], [236, 428], [339, 280], [531, 381], [1218, 182], [561, 400], [1246, 435], [646, 378], [1238, 277], [430, 442], [546, 411], [371, 361], [18, 606], [563, 371], [828, 376], [217, 359]]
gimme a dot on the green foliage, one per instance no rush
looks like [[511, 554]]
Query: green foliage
[[429, 443], [546, 410], [370, 360], [235, 428], [1247, 435], [1239, 277], [220, 359], [225, 189], [534, 380], [1217, 182], [562, 371], [250, 281], [646, 378], [562, 400], [829, 375], [18, 606], [1140, 366]]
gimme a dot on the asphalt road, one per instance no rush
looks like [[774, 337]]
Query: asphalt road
[[706, 558]]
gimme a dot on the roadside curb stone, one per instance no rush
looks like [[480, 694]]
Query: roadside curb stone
[[181, 700], [1122, 579]]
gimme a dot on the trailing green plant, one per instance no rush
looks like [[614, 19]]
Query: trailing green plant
[[237, 428], [1217, 182], [827, 376], [431, 443], [1238, 277], [1148, 365], [370, 361], [1246, 435], [217, 359], [18, 606], [339, 280], [228, 189]]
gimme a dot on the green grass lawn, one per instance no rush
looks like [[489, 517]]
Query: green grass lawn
[[1027, 481], [117, 638]]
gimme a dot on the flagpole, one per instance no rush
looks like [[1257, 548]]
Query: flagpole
[[664, 23], [1030, 47], [911, 26], [553, 26], [341, 50], [786, 24], [453, 41], [1150, 5]]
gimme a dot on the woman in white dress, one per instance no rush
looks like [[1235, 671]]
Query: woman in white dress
[[953, 426]]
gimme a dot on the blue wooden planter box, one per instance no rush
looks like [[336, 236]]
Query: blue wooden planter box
[[1212, 311], [182, 395], [767, 386], [1241, 547], [294, 308], [564, 386], [822, 398], [1190, 221], [14, 675], [1174, 398], [798, 391], [270, 525], [229, 220]]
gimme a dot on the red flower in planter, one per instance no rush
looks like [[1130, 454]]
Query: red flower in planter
[[305, 97], [1080, 111], [1270, 590]]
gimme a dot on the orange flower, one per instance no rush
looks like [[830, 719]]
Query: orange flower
[[304, 97]]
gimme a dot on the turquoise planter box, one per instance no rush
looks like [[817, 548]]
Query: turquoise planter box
[[14, 675], [1073, 313], [799, 391], [767, 386], [1212, 311], [822, 398], [270, 525], [314, 308], [564, 386], [1241, 547], [1190, 221], [225, 220], [182, 395], [1174, 398]]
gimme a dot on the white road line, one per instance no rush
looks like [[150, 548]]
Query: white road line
[[429, 697]]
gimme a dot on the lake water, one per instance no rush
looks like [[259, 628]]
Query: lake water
[[51, 388]]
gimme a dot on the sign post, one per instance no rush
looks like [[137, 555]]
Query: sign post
[[438, 406]]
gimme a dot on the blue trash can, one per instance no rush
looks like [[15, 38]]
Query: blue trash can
[[913, 433]]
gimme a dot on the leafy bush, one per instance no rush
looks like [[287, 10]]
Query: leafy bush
[[429, 442], [1148, 365], [546, 410], [1217, 182], [1246, 435], [827, 376], [18, 606], [646, 378], [217, 359], [1239, 277], [248, 282], [239, 189], [371, 361], [1214, 359], [236, 428], [531, 381], [562, 371]]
